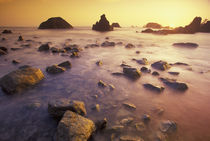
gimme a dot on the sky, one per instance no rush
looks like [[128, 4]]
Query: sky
[[87, 12]]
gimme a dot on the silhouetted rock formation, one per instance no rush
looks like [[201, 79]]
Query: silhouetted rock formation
[[116, 25], [193, 27], [153, 25], [55, 23], [102, 25]]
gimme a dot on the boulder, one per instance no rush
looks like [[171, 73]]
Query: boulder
[[153, 25], [55, 69], [20, 79], [132, 73], [168, 126], [194, 26], [74, 127], [55, 23], [57, 108], [117, 25], [154, 88], [187, 45], [147, 31], [44, 47], [174, 84], [101, 124], [108, 44], [161, 65], [102, 25], [6, 31]]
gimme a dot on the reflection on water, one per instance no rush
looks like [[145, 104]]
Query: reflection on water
[[25, 117]]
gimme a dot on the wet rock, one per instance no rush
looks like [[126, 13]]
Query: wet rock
[[66, 65], [180, 64], [117, 74], [140, 127], [96, 107], [129, 106], [154, 88], [6, 31], [57, 108], [174, 84], [15, 61], [20, 38], [188, 45], [142, 61], [91, 45], [55, 50], [129, 45], [2, 52], [153, 25], [125, 65], [55, 69], [130, 138], [102, 25], [146, 118], [74, 127], [44, 47], [75, 55], [111, 87], [173, 73], [102, 84], [99, 63], [4, 49], [159, 110], [155, 73], [108, 44], [20, 79], [101, 124], [161, 65], [145, 70], [72, 48], [117, 25], [15, 48], [132, 73], [168, 126], [55, 23], [126, 121]]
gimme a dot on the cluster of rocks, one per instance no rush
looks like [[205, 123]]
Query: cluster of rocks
[[6, 31], [194, 27], [102, 25]]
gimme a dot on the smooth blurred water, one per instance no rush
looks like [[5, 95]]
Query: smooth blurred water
[[21, 119]]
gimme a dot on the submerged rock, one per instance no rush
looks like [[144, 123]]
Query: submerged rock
[[102, 25], [55, 23], [20, 38], [129, 45], [126, 121], [102, 84], [188, 45], [55, 69], [154, 88], [130, 106], [161, 65], [74, 127], [15, 61], [57, 108], [101, 124], [168, 126], [2, 52], [142, 61], [180, 64], [20, 79], [140, 126], [174, 84], [117, 25], [173, 73], [6, 31], [146, 118], [4, 49], [108, 44], [132, 73], [44, 47]]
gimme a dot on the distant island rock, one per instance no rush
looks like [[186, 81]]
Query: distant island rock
[[194, 27], [153, 25], [116, 25], [55, 23], [102, 25]]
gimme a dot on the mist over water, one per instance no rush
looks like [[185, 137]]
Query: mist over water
[[24, 116]]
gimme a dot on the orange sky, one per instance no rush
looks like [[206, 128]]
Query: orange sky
[[87, 12]]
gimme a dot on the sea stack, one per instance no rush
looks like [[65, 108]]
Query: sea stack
[[102, 25], [55, 23]]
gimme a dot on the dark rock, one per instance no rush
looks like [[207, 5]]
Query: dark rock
[[132, 73], [130, 106], [96, 107], [3, 39], [20, 38], [155, 73], [15, 48], [129, 45], [102, 84], [181, 64], [99, 63], [4, 49], [116, 25], [74, 55], [142, 61], [15, 61], [188, 45], [101, 124], [168, 126], [91, 45], [125, 65], [65, 65], [147, 31], [145, 70], [205, 27], [55, 23], [55, 50], [137, 52], [174, 73], [154, 88], [146, 118], [108, 44], [174, 84], [55, 69], [7, 31], [74, 127], [117, 74], [2, 52], [194, 26], [153, 25], [102, 25], [44, 47], [161, 65], [72, 48], [57, 108], [20, 79]]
